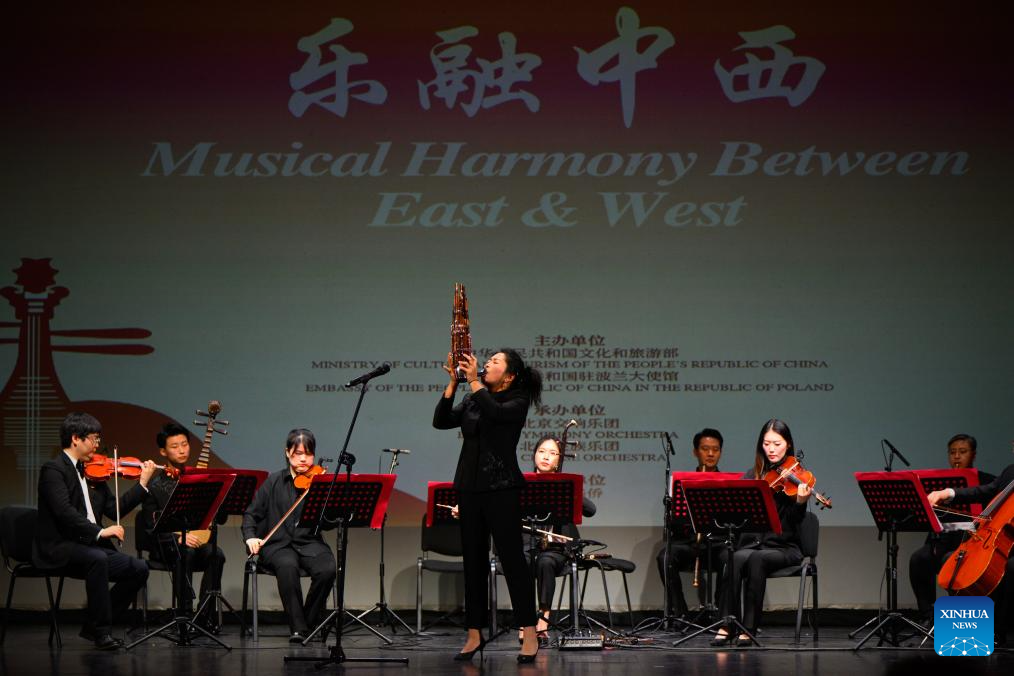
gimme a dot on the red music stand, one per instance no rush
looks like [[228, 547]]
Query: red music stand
[[440, 493], [553, 497], [679, 526], [192, 505], [939, 479], [732, 505], [239, 497], [897, 501], [356, 501]]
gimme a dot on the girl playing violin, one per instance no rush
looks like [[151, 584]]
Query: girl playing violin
[[291, 549], [759, 554]]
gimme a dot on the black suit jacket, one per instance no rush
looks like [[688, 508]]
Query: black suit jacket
[[491, 427], [985, 492], [63, 517]]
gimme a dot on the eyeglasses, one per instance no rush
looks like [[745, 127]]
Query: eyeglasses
[[94, 438]]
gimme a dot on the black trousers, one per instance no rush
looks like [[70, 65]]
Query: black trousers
[[496, 514], [210, 560], [923, 566], [99, 566], [549, 565], [1003, 598], [286, 563], [681, 557], [749, 570]]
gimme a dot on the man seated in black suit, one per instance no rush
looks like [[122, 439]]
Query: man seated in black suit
[[70, 536], [1003, 595], [198, 553], [925, 562]]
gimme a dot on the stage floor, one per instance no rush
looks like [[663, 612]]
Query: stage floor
[[27, 653]]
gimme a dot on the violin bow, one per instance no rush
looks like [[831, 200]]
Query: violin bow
[[116, 483]]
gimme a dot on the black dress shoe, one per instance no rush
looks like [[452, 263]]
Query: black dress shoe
[[107, 642], [297, 637]]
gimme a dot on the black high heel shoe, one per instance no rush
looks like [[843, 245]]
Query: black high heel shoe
[[528, 659], [467, 656], [721, 640]]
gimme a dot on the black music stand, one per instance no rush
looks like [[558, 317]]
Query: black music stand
[[733, 506], [387, 616], [554, 498], [192, 506], [678, 525], [236, 501], [360, 500], [898, 503]]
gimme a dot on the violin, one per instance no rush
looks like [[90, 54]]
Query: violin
[[790, 477], [303, 481], [102, 467]]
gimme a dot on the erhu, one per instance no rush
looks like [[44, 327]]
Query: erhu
[[461, 332]]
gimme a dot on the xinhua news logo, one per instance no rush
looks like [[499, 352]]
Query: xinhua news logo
[[963, 626]]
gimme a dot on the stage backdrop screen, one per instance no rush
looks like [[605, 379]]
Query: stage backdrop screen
[[683, 214]]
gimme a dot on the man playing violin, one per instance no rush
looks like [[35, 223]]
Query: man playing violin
[[174, 445], [291, 549], [925, 562], [1003, 595], [70, 536]]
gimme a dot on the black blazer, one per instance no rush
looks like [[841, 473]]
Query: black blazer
[[985, 492], [273, 499], [63, 518], [491, 427]]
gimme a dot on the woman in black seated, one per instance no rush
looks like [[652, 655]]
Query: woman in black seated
[[550, 559], [759, 554]]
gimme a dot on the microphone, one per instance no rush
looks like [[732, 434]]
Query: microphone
[[396, 451], [897, 453], [367, 377]]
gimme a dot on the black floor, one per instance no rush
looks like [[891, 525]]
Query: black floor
[[26, 652]]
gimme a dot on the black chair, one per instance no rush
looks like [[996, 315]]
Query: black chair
[[251, 569], [809, 532], [604, 565], [17, 532], [443, 539], [153, 564]]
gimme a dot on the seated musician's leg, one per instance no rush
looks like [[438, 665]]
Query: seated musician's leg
[[284, 563]]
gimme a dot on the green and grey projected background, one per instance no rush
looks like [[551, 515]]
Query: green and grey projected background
[[685, 216]]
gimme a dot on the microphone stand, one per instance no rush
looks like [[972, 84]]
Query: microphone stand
[[387, 615], [336, 652], [668, 622]]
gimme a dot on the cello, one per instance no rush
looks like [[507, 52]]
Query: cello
[[977, 566]]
